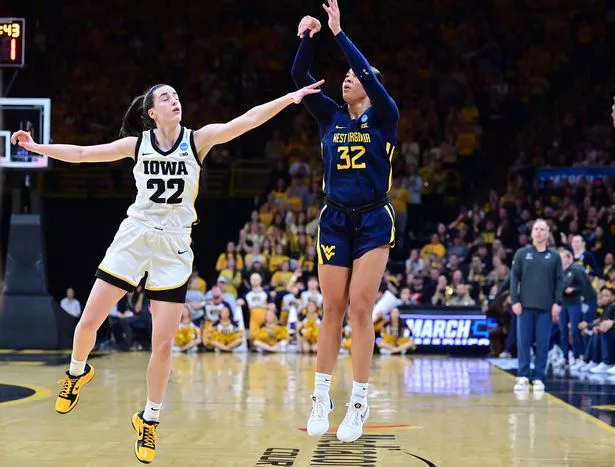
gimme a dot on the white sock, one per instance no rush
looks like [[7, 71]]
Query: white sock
[[359, 392], [152, 411], [77, 367], [322, 384]]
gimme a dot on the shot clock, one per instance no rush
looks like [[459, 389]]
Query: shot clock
[[12, 42]]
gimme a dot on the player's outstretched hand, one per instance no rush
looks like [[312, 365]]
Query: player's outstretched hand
[[308, 23], [333, 10], [24, 139], [298, 96]]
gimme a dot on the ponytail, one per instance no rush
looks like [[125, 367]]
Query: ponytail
[[132, 125], [136, 119]]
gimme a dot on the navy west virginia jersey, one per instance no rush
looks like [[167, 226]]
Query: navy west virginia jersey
[[357, 157]]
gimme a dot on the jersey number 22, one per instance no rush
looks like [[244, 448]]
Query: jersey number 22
[[160, 186]]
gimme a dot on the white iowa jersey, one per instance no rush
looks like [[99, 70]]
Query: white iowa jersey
[[167, 182]]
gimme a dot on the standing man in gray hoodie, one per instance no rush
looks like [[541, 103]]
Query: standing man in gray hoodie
[[536, 289]]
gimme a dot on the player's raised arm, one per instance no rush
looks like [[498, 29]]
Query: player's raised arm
[[109, 152], [319, 105], [217, 133], [383, 104]]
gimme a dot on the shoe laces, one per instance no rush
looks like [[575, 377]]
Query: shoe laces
[[149, 436], [353, 415], [67, 386], [318, 408]]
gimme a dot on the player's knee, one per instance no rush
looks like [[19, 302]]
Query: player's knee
[[361, 313], [86, 325], [333, 316], [162, 349]]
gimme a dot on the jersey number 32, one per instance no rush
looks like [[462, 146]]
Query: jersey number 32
[[176, 185]]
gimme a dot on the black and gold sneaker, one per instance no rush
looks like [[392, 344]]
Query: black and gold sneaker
[[145, 446], [71, 387]]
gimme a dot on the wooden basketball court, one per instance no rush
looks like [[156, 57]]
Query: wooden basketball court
[[250, 410]]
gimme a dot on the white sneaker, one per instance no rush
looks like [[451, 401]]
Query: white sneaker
[[578, 365], [318, 423], [351, 427], [601, 368], [611, 371], [589, 366], [538, 386], [522, 385]]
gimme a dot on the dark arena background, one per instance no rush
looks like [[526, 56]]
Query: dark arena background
[[505, 117]]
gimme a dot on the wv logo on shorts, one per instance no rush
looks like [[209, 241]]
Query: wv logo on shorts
[[329, 251]]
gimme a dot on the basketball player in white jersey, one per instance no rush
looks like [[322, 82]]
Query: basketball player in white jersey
[[155, 237]]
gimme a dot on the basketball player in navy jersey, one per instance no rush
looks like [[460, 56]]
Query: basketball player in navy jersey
[[356, 229], [155, 237]]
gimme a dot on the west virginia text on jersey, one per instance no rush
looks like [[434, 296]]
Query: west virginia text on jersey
[[167, 182], [357, 157]]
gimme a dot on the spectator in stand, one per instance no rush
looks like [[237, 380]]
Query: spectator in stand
[[232, 274], [584, 258], [600, 351], [400, 198], [461, 297], [188, 335], [196, 300], [434, 248], [396, 335], [230, 254], [415, 264], [225, 335], [270, 336], [202, 285], [71, 305]]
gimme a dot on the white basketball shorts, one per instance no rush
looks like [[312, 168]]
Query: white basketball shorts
[[139, 249]]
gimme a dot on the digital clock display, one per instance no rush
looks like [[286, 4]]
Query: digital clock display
[[12, 41]]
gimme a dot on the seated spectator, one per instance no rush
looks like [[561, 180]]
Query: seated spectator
[[188, 335], [312, 293], [396, 335], [255, 255], [276, 259], [433, 248], [231, 253], [414, 264], [308, 328], [600, 349], [119, 322], [281, 278], [270, 336], [443, 293], [461, 297], [70, 304], [232, 274], [225, 335], [202, 284], [230, 299], [214, 305], [195, 300]]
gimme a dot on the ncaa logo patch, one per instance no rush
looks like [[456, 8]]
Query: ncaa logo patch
[[183, 146], [363, 118]]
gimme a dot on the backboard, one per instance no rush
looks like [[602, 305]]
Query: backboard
[[30, 114]]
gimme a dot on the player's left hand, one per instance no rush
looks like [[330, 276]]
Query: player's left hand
[[555, 310], [333, 10], [314, 88], [613, 114]]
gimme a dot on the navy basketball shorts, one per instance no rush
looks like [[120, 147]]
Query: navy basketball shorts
[[345, 236]]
